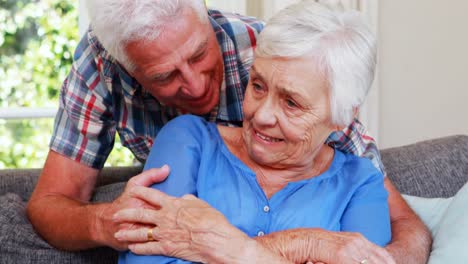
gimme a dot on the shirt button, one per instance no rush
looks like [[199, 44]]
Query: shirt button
[[260, 233], [266, 209]]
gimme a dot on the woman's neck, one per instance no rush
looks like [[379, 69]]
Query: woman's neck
[[271, 179]]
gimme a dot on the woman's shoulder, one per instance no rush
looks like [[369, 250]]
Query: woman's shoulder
[[357, 169], [188, 126], [188, 121]]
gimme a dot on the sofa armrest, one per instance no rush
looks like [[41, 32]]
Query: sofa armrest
[[433, 168], [23, 181], [19, 181], [110, 175]]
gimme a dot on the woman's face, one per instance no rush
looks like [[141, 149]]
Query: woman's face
[[286, 112]]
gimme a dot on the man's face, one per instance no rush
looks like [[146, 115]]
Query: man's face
[[183, 67]]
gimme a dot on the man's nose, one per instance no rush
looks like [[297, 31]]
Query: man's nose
[[193, 83]]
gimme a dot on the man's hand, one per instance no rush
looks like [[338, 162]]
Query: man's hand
[[60, 211], [106, 227]]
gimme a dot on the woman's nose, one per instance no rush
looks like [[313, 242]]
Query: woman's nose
[[266, 113]]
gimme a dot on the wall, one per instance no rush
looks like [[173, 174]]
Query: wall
[[237, 6], [423, 76], [83, 20]]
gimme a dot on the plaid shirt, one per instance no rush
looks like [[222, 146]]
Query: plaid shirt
[[99, 98]]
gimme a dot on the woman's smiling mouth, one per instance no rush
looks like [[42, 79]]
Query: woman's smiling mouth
[[267, 138]]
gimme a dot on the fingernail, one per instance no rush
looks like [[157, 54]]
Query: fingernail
[[118, 235]]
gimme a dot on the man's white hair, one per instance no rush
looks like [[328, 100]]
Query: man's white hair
[[340, 41], [118, 22]]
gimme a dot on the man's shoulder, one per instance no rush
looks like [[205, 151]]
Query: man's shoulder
[[233, 21], [91, 47]]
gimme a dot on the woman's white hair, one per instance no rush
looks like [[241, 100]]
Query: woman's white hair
[[118, 22], [340, 41]]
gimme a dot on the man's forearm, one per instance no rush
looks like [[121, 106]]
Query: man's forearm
[[411, 240], [67, 224], [57, 207]]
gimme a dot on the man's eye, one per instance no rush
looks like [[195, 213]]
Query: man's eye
[[198, 57], [164, 78]]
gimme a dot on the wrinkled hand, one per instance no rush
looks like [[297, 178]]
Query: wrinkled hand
[[186, 228], [347, 247], [311, 245], [105, 225]]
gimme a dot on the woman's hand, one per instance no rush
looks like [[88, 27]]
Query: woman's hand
[[185, 227], [347, 247], [189, 228], [314, 245]]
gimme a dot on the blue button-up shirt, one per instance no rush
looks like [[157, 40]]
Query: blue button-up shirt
[[349, 196]]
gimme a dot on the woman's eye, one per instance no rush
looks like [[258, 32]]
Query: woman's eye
[[257, 87], [290, 103]]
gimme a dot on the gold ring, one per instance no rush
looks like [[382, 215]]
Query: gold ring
[[364, 261], [149, 234]]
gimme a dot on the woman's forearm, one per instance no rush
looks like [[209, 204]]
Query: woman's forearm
[[317, 245], [256, 252], [295, 245], [247, 251]]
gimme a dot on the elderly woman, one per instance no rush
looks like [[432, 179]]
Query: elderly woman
[[312, 71]]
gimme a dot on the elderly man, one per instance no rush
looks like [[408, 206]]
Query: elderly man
[[141, 64]]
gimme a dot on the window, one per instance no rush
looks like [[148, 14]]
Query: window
[[37, 41]]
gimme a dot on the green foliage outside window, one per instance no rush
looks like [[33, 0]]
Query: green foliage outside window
[[37, 41]]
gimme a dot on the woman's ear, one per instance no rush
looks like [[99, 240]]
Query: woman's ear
[[335, 127], [341, 127], [355, 112]]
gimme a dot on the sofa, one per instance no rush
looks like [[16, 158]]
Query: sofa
[[433, 168]]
